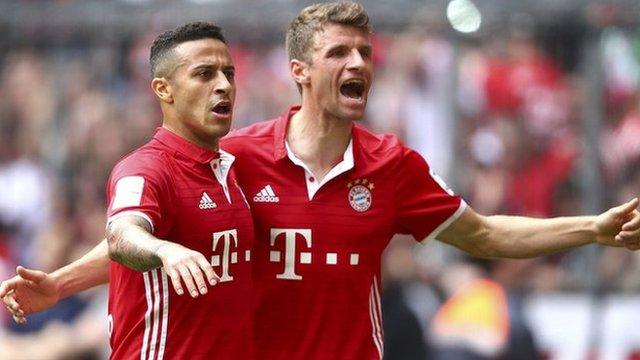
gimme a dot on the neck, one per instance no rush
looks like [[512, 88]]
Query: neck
[[318, 139]]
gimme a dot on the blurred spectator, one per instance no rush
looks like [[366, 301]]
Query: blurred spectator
[[481, 318]]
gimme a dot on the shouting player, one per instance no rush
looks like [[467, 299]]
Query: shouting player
[[328, 195]]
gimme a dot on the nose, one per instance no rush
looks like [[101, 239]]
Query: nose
[[223, 86], [356, 61]]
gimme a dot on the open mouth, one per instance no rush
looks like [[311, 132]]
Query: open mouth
[[353, 89], [222, 108]]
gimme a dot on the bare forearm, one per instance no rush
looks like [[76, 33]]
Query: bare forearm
[[132, 245], [90, 270], [522, 237]]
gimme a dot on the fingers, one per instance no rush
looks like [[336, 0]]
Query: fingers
[[32, 275], [633, 223], [627, 207], [19, 319], [10, 302], [630, 234], [14, 308], [198, 276], [185, 274], [7, 286], [189, 268], [193, 276], [208, 271], [175, 281]]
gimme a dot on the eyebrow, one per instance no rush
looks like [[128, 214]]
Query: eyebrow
[[367, 47], [336, 47], [212, 67]]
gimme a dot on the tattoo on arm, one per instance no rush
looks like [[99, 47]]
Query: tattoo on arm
[[132, 245]]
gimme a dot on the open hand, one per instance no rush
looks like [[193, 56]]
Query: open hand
[[28, 292], [188, 266]]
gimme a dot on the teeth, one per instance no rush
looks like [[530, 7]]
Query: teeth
[[222, 108], [354, 81]]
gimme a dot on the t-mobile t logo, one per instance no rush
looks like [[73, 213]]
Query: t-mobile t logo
[[290, 254], [227, 255]]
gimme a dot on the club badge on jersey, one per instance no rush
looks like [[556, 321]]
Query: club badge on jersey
[[360, 197]]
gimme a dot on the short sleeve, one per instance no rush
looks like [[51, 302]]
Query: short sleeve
[[424, 204], [137, 186]]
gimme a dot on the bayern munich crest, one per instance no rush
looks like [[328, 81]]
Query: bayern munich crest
[[360, 197]]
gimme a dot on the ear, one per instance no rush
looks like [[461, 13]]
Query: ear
[[299, 71], [162, 89]]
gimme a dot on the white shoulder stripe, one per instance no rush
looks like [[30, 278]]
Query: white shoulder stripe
[[446, 223], [441, 182]]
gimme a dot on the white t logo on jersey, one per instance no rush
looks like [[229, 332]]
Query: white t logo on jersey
[[290, 254], [227, 235]]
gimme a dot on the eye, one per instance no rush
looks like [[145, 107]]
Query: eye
[[366, 53], [230, 74], [339, 52], [204, 74]]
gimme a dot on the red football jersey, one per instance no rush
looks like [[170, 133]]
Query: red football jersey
[[189, 195], [318, 244]]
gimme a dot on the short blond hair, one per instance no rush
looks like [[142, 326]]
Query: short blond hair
[[312, 19]]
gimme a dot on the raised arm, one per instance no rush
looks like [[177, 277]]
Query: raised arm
[[521, 237], [32, 291], [132, 244]]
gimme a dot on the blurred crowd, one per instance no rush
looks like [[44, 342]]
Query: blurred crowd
[[501, 118]]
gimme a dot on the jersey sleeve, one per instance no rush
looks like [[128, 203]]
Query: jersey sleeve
[[137, 186], [425, 205]]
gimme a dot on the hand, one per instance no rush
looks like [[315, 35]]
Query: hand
[[620, 226], [180, 262], [28, 292]]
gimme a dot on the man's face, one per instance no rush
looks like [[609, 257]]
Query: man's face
[[341, 71], [203, 90]]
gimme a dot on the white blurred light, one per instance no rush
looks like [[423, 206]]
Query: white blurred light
[[464, 16], [486, 147]]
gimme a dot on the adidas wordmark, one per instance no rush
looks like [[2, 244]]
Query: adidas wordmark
[[206, 202], [266, 195]]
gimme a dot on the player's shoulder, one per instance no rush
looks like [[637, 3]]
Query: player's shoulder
[[248, 137], [150, 159], [259, 129], [379, 144]]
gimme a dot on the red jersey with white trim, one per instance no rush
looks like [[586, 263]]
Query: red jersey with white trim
[[190, 196], [318, 244]]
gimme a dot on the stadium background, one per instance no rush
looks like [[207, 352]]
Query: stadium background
[[537, 112]]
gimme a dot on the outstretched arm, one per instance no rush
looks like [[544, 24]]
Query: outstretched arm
[[132, 244], [32, 291], [521, 237]]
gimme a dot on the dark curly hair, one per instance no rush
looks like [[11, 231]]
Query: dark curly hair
[[164, 44]]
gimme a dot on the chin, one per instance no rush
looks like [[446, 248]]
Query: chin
[[217, 131]]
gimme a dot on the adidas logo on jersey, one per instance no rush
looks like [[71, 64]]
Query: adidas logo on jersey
[[266, 195], [206, 202]]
